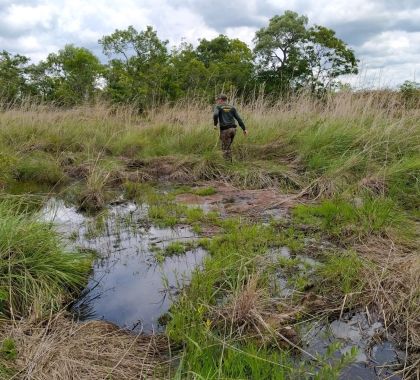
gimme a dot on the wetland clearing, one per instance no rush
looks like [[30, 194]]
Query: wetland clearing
[[131, 249]]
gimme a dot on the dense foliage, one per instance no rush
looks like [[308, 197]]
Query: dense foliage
[[140, 68], [291, 56]]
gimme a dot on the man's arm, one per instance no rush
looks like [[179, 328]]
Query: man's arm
[[237, 117], [216, 115]]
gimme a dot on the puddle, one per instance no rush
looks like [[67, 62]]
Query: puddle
[[377, 357], [305, 265], [127, 286], [284, 252], [65, 218]]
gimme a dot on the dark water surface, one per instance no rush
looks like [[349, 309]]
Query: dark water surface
[[377, 357], [131, 289], [128, 286]]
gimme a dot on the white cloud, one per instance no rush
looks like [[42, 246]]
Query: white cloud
[[384, 34], [391, 43], [244, 33], [26, 17], [30, 44]]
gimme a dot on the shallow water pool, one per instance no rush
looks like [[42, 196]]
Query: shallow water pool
[[128, 286]]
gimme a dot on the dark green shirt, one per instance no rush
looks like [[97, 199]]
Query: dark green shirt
[[225, 115]]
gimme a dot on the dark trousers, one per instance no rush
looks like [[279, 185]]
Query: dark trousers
[[226, 137]]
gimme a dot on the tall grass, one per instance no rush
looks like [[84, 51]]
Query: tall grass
[[358, 155], [346, 142], [36, 275]]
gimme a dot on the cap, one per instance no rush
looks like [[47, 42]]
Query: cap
[[222, 97]]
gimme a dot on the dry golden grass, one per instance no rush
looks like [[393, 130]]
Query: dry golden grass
[[394, 287], [194, 112], [61, 349], [251, 313]]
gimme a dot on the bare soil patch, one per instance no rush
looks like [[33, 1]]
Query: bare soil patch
[[230, 200]]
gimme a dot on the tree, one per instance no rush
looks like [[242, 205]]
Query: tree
[[13, 83], [229, 62], [292, 56], [41, 84], [188, 74], [138, 73], [277, 50], [410, 92], [69, 77], [327, 58]]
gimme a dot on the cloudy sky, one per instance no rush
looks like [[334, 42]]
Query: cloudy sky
[[385, 34]]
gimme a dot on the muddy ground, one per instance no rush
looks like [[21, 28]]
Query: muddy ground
[[118, 317]]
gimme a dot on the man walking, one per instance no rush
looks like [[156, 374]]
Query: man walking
[[225, 115]]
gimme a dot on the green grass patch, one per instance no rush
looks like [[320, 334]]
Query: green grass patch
[[342, 272], [205, 191], [165, 215], [340, 218], [36, 275], [8, 349], [6, 372], [326, 144], [8, 162], [39, 167], [141, 192], [8, 354], [292, 238], [163, 211], [403, 182], [210, 351], [176, 248], [181, 189], [131, 144]]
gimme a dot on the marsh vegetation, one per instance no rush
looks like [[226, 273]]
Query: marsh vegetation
[[335, 181]]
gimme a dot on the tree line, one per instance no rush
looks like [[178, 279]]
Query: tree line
[[289, 56]]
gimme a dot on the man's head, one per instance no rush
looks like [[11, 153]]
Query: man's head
[[222, 98]]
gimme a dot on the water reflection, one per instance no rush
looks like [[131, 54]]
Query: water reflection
[[127, 286], [377, 357]]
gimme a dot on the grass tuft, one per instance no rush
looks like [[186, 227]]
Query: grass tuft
[[36, 275], [341, 272], [39, 167], [205, 191]]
